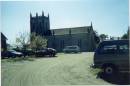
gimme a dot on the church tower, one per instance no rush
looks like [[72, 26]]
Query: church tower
[[40, 25]]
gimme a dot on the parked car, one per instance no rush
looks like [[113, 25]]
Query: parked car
[[27, 52], [70, 49], [11, 53], [112, 56], [46, 51]]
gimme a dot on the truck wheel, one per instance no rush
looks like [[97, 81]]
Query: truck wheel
[[109, 69]]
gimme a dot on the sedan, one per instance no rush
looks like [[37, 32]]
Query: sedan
[[11, 53], [48, 51]]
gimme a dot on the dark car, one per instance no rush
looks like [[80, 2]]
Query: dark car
[[11, 53], [27, 52], [46, 51], [112, 56]]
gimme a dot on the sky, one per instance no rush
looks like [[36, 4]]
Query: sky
[[107, 16]]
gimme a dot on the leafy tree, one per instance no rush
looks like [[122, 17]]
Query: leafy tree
[[38, 42], [22, 40], [96, 37], [103, 37], [126, 35], [30, 41]]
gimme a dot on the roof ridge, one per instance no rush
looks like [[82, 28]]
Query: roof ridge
[[70, 28]]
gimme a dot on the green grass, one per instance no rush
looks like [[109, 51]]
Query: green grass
[[65, 69]]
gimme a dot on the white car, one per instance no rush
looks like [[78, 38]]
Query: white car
[[71, 49]]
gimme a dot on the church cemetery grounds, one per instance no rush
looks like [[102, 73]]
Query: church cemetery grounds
[[64, 69]]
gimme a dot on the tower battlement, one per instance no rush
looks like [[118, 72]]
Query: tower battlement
[[40, 24]]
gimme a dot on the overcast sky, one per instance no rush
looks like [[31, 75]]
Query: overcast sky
[[107, 16]]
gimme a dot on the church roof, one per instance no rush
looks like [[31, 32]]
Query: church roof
[[73, 30], [3, 36]]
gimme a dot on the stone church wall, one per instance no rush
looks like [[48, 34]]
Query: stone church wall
[[84, 41]]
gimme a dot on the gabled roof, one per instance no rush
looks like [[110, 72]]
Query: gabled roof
[[3, 36], [73, 30]]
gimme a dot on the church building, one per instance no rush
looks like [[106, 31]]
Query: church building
[[59, 38]]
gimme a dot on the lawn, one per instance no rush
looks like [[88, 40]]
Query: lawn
[[65, 69]]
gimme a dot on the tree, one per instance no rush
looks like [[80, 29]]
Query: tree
[[22, 40], [103, 37], [32, 41], [96, 37], [126, 35], [38, 42]]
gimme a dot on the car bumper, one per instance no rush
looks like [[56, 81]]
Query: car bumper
[[94, 66]]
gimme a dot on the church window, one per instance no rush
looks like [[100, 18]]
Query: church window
[[79, 43], [46, 25], [62, 44], [54, 45]]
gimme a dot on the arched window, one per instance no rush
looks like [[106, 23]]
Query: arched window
[[62, 44], [80, 43]]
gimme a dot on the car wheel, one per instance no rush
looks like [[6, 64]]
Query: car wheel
[[13, 56], [53, 55], [50, 55], [36, 55], [109, 69]]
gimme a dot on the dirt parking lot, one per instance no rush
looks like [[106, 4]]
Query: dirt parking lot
[[64, 69]]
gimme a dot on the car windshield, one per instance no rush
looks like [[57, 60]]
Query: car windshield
[[12, 50], [111, 49]]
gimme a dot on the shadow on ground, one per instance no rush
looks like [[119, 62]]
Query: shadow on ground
[[19, 59], [118, 79], [46, 56]]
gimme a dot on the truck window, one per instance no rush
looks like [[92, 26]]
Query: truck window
[[109, 49], [124, 48]]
